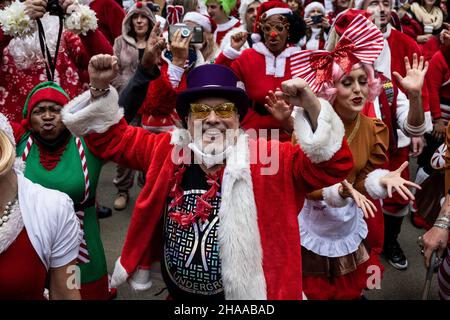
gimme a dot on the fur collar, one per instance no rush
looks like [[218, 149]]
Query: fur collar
[[275, 66], [239, 238]]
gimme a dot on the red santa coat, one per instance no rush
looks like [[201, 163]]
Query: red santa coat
[[110, 16], [260, 241], [260, 72], [222, 29], [71, 70], [438, 81]]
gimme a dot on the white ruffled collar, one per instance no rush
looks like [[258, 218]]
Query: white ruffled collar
[[275, 66]]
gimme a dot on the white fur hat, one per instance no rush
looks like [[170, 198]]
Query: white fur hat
[[314, 5]]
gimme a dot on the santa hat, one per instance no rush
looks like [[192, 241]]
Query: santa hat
[[244, 6], [312, 6], [202, 20], [46, 91], [266, 10], [227, 5], [344, 19]]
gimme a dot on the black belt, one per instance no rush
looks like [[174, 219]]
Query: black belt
[[83, 206]]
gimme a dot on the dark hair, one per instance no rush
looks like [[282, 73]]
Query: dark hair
[[297, 27], [133, 34]]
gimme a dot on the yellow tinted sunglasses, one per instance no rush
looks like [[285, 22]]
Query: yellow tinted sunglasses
[[202, 111]]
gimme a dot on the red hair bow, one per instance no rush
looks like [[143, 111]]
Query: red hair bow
[[174, 14], [361, 42]]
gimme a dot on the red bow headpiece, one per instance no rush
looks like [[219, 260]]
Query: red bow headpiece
[[174, 14], [361, 42]]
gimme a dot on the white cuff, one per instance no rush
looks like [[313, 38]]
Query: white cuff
[[82, 116], [322, 144], [175, 74], [15, 22], [332, 197], [231, 53], [119, 275], [140, 280], [373, 186]]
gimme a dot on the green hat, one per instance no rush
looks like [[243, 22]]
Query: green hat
[[227, 5]]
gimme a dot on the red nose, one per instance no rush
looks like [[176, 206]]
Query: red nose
[[273, 34]]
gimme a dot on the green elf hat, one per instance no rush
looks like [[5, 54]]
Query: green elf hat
[[45, 91], [227, 5]]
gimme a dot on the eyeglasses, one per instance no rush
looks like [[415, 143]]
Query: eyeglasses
[[267, 28], [201, 111]]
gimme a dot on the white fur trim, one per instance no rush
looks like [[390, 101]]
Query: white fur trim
[[373, 186], [199, 19], [140, 280], [275, 66], [5, 126], [314, 5], [82, 20], [119, 275], [238, 235], [82, 116], [180, 137], [332, 197], [231, 53], [322, 144], [274, 11], [256, 37], [15, 22]]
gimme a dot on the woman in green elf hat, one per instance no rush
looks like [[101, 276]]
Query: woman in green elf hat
[[58, 160]]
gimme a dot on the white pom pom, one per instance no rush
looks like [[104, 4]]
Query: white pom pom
[[256, 37], [15, 22]]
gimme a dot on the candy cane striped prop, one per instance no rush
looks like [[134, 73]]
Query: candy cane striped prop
[[83, 255]]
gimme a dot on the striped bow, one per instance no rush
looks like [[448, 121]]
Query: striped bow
[[174, 14], [361, 42]]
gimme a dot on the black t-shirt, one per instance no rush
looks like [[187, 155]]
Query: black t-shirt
[[190, 264]]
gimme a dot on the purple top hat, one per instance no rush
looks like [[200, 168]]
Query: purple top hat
[[211, 80]]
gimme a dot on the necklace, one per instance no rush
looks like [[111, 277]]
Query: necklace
[[354, 131], [8, 209]]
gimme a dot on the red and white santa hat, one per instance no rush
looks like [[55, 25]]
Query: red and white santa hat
[[202, 20], [266, 10], [244, 6], [314, 5]]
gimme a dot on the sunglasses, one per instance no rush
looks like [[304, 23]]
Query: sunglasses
[[201, 111], [267, 28]]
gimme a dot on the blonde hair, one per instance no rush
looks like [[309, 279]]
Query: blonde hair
[[7, 153]]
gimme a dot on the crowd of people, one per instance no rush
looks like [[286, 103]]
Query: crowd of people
[[271, 141]]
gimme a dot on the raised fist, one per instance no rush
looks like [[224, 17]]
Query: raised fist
[[103, 68]]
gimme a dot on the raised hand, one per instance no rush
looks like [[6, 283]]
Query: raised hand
[[277, 106], [417, 145], [35, 9], [179, 47], [103, 68], [393, 181], [152, 52], [415, 75], [238, 40], [367, 206]]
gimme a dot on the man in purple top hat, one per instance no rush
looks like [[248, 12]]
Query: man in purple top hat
[[221, 220]]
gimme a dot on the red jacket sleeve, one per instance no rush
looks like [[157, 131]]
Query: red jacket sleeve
[[94, 42], [129, 146], [434, 79]]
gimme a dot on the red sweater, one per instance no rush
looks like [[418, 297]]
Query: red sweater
[[278, 198], [438, 81]]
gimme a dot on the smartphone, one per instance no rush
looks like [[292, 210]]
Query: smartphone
[[186, 31], [317, 19]]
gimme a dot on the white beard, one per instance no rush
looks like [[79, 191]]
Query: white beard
[[27, 51]]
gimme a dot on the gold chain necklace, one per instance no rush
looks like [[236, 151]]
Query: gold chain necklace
[[355, 130]]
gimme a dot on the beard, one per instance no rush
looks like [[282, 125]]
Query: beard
[[27, 51]]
